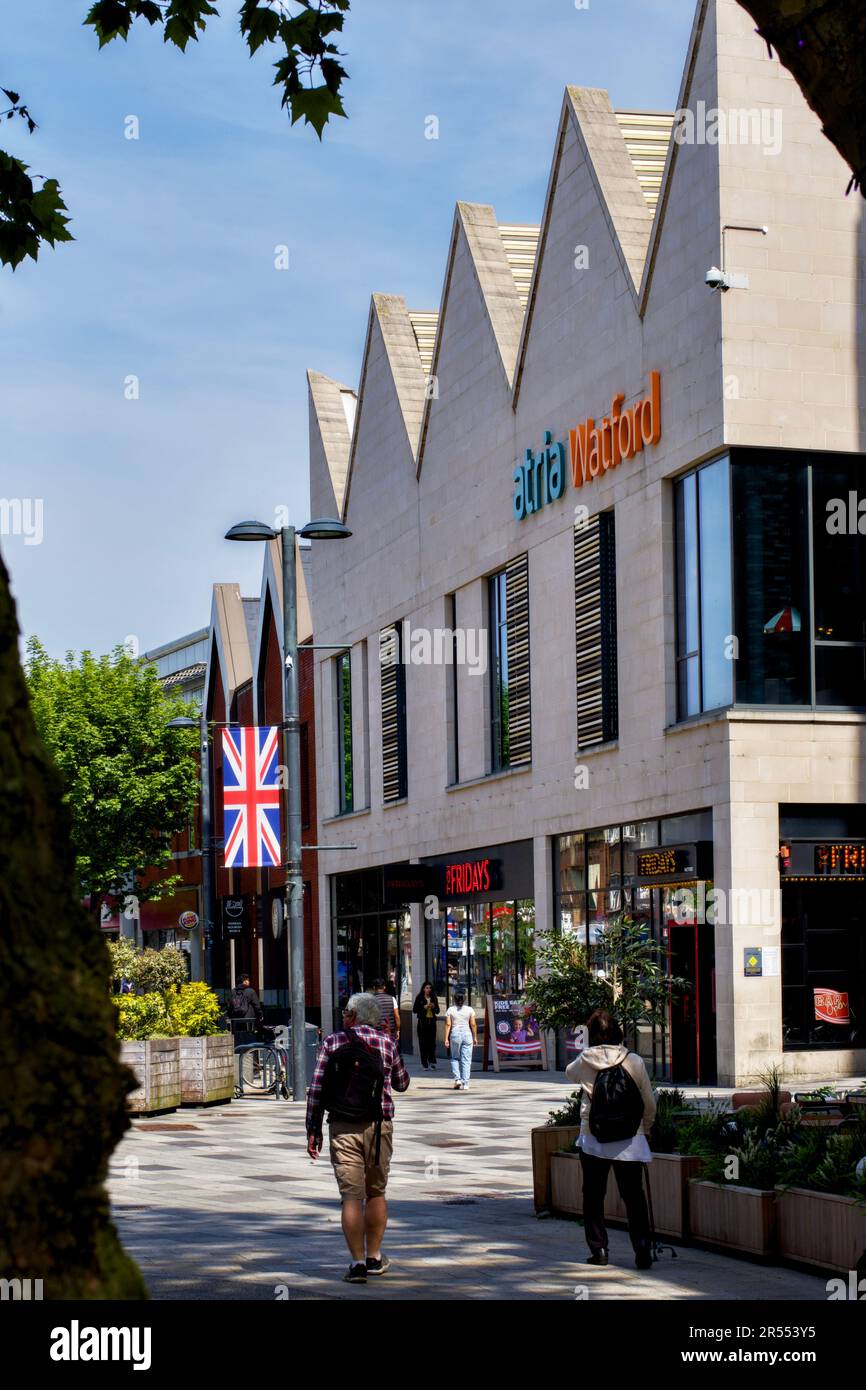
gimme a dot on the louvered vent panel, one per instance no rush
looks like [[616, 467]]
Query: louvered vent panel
[[517, 627]]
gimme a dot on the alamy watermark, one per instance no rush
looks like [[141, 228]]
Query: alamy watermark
[[22, 516], [715, 125], [438, 646]]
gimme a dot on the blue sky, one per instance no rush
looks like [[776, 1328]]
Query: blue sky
[[171, 277]]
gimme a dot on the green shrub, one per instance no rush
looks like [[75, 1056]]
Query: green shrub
[[569, 1114], [141, 1016], [671, 1109], [195, 1012], [159, 971]]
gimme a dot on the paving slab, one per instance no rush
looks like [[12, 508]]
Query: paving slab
[[235, 1209]]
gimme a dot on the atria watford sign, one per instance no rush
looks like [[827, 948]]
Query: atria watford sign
[[593, 450]]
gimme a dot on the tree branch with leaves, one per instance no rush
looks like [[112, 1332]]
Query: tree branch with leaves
[[309, 75]]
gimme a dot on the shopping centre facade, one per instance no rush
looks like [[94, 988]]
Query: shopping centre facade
[[603, 604]]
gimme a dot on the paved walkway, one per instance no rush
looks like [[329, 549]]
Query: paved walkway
[[225, 1204]]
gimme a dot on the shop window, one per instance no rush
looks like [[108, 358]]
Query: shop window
[[839, 585], [570, 867], [595, 630], [823, 965], [345, 775], [704, 645], [393, 690]]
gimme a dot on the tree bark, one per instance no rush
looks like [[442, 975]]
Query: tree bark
[[822, 43], [62, 1107]]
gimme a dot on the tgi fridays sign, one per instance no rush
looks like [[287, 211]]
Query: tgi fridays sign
[[593, 449]]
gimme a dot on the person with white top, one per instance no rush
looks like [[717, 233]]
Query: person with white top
[[461, 1034], [626, 1154]]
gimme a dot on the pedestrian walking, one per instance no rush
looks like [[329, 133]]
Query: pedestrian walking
[[617, 1108], [426, 1010], [388, 1010], [461, 1034], [356, 1071]]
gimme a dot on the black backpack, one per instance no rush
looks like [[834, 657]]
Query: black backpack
[[616, 1109], [238, 1003], [354, 1082]]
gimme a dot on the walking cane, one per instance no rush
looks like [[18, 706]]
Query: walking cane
[[655, 1245]]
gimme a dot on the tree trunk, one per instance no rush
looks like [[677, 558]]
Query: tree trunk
[[63, 1087], [822, 43]]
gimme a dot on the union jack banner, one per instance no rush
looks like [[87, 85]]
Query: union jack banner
[[251, 798]]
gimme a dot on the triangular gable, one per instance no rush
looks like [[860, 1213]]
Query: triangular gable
[[476, 225], [271, 607], [392, 370], [588, 113], [230, 642], [332, 417]]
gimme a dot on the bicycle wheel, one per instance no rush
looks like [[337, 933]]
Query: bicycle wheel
[[258, 1069]]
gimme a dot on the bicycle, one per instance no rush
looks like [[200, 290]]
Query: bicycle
[[261, 1068]]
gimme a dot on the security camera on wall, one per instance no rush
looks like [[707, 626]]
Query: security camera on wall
[[716, 279]]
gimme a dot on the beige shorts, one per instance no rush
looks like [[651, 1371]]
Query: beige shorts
[[352, 1146]]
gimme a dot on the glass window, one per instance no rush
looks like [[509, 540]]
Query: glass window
[[480, 958], [704, 606], [572, 874], [498, 628], [823, 966], [643, 835], [714, 501], [604, 858], [572, 914], [343, 667], [502, 924], [525, 962], [772, 601]]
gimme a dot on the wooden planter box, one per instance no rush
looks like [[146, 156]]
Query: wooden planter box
[[546, 1139], [156, 1064], [566, 1188], [736, 1218], [207, 1069], [669, 1174], [819, 1228]]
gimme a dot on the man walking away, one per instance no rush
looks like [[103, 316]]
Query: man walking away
[[388, 1010], [356, 1071]]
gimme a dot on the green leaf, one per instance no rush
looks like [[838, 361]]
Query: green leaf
[[316, 105], [109, 18]]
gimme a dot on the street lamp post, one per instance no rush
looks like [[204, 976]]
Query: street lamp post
[[326, 529]]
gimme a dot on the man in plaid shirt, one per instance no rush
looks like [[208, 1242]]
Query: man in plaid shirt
[[360, 1150]]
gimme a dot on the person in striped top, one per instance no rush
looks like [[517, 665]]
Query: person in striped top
[[388, 1010]]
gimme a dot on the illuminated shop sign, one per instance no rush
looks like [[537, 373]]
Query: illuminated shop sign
[[674, 863], [472, 876], [823, 859], [593, 450]]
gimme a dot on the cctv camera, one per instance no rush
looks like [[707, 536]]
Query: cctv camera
[[290, 665], [716, 279]]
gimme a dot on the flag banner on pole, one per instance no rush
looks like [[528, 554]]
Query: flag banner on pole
[[251, 798]]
